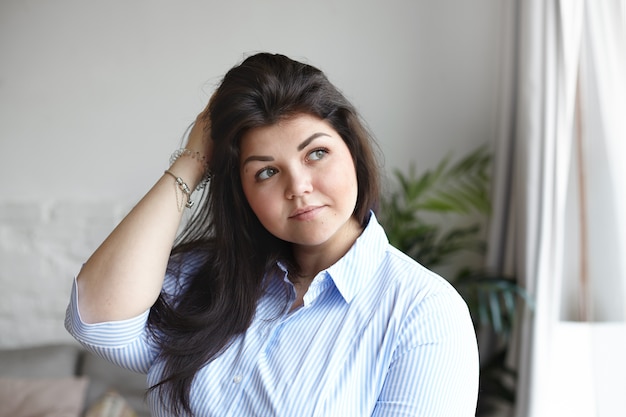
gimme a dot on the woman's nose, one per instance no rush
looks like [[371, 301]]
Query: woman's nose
[[298, 184]]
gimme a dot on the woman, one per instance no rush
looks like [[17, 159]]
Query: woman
[[282, 295]]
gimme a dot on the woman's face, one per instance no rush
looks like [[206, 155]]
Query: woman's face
[[300, 181]]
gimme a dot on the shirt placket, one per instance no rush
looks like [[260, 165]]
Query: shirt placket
[[258, 336]]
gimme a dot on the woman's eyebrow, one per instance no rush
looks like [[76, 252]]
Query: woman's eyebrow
[[311, 139], [300, 147], [257, 158]]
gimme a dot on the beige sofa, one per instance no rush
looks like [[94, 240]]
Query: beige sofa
[[56, 365]]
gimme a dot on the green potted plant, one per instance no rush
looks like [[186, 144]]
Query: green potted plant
[[439, 219]]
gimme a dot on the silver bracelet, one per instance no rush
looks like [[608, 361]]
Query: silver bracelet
[[206, 178], [182, 185]]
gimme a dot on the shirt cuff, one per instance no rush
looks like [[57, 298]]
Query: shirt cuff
[[110, 334]]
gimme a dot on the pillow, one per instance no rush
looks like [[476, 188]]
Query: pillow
[[111, 404], [42, 397], [104, 376], [54, 361]]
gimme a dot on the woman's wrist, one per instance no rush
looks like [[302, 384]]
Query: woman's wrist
[[188, 153], [194, 164], [189, 172]]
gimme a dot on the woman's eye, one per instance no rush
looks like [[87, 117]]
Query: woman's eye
[[265, 173], [317, 154]]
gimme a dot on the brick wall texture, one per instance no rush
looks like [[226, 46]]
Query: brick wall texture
[[42, 246]]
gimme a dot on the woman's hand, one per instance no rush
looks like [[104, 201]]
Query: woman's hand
[[192, 165], [200, 136]]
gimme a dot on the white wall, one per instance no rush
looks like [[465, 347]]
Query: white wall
[[94, 96]]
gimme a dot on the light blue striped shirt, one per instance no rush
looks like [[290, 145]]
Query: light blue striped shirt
[[378, 335]]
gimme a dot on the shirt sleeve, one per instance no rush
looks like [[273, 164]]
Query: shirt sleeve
[[126, 343], [435, 367]]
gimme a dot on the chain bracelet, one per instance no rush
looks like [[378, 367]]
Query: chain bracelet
[[206, 178]]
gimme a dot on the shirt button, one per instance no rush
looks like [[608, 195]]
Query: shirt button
[[237, 379]]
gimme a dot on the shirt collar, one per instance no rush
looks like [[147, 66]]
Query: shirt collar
[[357, 267]]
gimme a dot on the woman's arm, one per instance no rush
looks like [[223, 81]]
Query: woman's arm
[[123, 277]]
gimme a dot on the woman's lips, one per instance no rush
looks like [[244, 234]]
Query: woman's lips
[[306, 213]]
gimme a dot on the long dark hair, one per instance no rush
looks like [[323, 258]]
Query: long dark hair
[[231, 248]]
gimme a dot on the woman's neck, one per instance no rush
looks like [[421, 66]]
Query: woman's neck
[[313, 259]]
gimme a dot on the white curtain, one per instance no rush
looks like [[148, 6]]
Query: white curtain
[[559, 202]]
